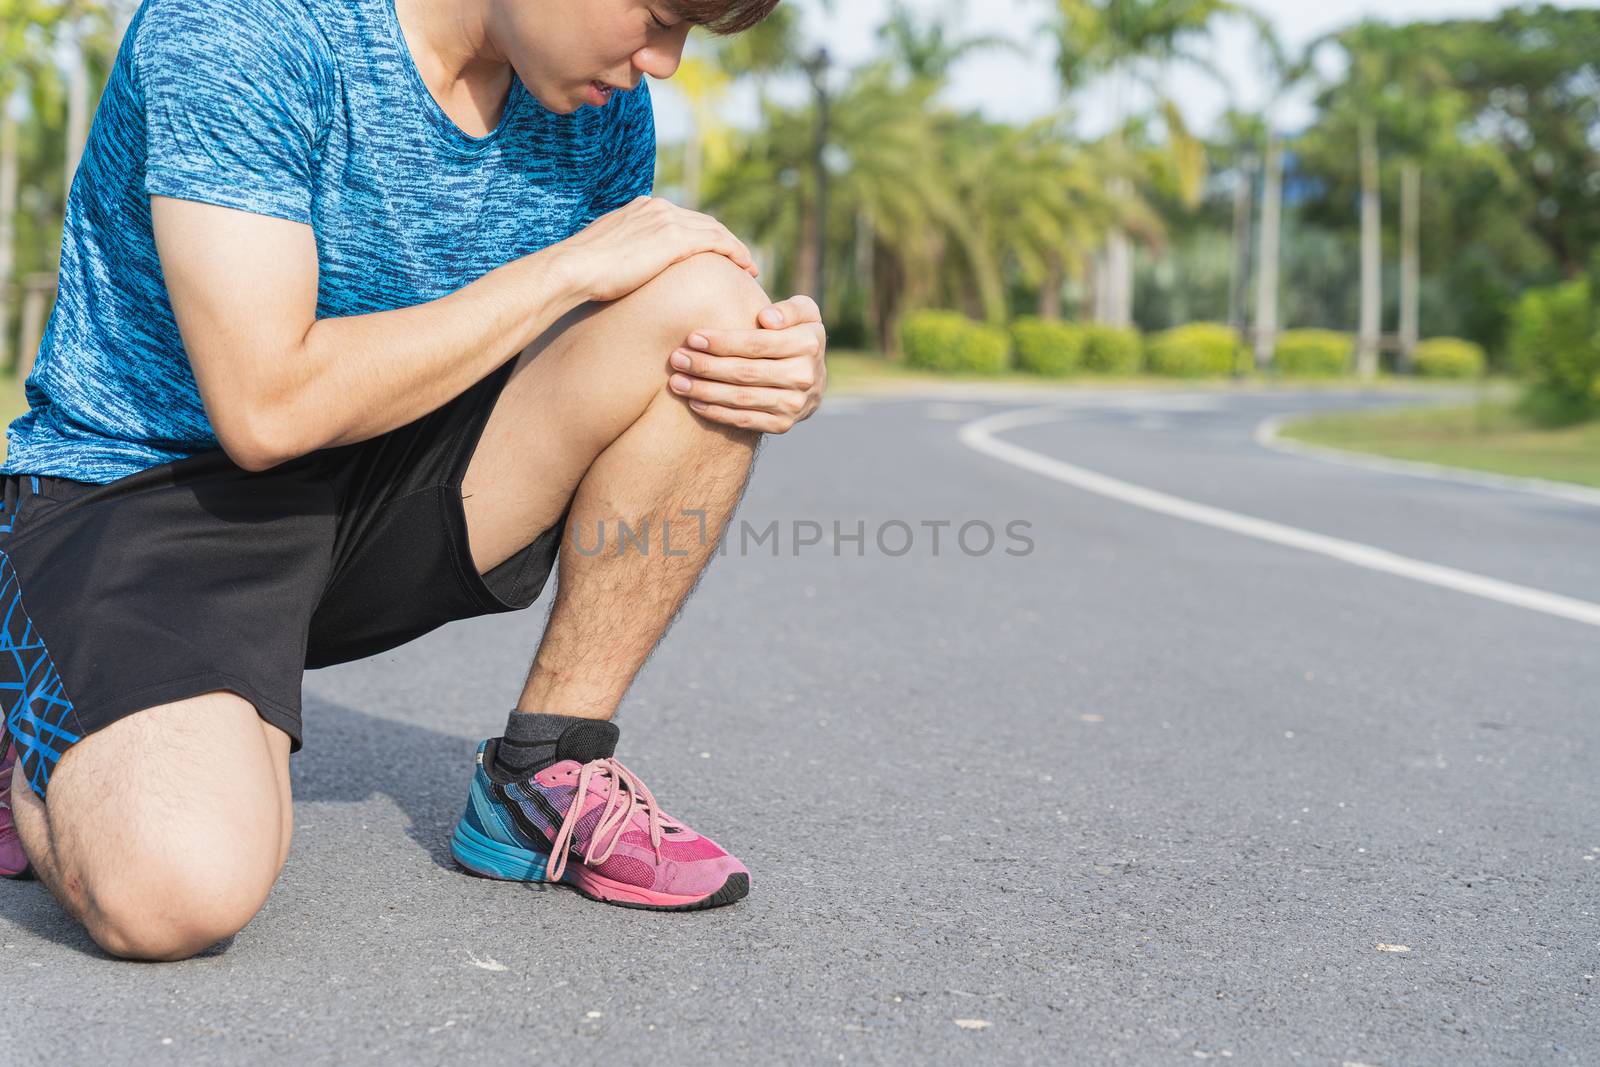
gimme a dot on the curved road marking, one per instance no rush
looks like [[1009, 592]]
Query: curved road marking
[[979, 435], [1268, 435]]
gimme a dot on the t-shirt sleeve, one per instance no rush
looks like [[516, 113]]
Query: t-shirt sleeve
[[630, 170], [235, 96]]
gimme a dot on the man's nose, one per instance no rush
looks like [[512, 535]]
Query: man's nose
[[659, 61]]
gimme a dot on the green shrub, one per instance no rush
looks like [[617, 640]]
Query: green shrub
[[1313, 352], [1196, 350], [1110, 349], [1045, 347], [1449, 357], [949, 341], [1555, 346]]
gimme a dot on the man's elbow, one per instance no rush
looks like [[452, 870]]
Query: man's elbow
[[256, 441]]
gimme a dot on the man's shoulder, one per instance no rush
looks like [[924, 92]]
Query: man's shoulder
[[176, 29]]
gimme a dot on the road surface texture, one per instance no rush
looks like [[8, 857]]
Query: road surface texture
[[1143, 790]]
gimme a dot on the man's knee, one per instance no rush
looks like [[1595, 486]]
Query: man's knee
[[171, 913], [164, 830], [706, 290], [184, 889]]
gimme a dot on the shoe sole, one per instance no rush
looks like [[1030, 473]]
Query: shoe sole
[[492, 859]]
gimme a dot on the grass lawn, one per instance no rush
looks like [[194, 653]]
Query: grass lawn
[[1488, 437]]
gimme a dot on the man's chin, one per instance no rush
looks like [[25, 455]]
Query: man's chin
[[559, 103]]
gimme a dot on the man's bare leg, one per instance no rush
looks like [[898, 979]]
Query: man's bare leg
[[675, 485], [587, 418], [135, 843]]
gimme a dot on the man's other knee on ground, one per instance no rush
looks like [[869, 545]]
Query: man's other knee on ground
[[175, 911], [164, 830]]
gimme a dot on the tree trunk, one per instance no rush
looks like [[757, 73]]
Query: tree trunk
[[1050, 290], [8, 226], [1243, 209], [1116, 285], [1269, 255], [1098, 312], [806, 267], [77, 111], [693, 166], [1091, 289], [971, 302], [1119, 280], [866, 242], [1371, 256], [889, 285], [1410, 262], [814, 282]]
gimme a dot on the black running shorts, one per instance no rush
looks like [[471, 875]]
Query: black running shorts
[[198, 575]]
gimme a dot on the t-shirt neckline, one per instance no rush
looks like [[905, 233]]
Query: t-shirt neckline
[[437, 117]]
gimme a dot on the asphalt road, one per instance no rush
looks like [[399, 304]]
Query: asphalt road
[[1147, 791]]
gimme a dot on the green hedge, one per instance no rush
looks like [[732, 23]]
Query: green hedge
[[1449, 357], [1196, 350], [1313, 353], [1554, 344], [949, 341], [1050, 348], [1110, 349]]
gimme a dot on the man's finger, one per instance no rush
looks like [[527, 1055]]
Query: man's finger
[[784, 374], [750, 397], [796, 309], [755, 344], [744, 419]]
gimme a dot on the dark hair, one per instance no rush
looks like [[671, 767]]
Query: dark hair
[[723, 17]]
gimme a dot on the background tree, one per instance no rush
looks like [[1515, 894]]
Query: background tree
[[1134, 45]]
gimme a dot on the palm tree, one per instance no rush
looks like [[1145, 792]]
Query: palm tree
[[703, 86], [1136, 43], [1046, 206], [1244, 135], [767, 50], [1350, 109], [1394, 94], [1269, 251], [927, 48], [887, 181], [1423, 118], [1284, 74], [1369, 333]]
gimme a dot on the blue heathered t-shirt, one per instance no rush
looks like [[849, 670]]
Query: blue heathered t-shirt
[[308, 110]]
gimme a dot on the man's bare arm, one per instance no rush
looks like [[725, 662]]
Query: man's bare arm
[[278, 382]]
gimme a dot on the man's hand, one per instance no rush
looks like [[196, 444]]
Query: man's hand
[[766, 379], [621, 251]]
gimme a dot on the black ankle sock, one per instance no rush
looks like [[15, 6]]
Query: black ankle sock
[[534, 740]]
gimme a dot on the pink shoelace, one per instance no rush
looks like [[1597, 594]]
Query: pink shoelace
[[626, 795]]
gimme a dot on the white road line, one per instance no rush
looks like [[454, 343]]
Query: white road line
[[979, 435], [1269, 435]]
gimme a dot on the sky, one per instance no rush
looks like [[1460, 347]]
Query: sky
[[1008, 87]]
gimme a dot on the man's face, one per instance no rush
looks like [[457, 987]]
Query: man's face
[[559, 47]]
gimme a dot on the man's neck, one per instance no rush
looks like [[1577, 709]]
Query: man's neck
[[450, 43]]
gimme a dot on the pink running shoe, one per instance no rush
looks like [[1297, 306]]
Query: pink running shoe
[[594, 826], [13, 864]]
